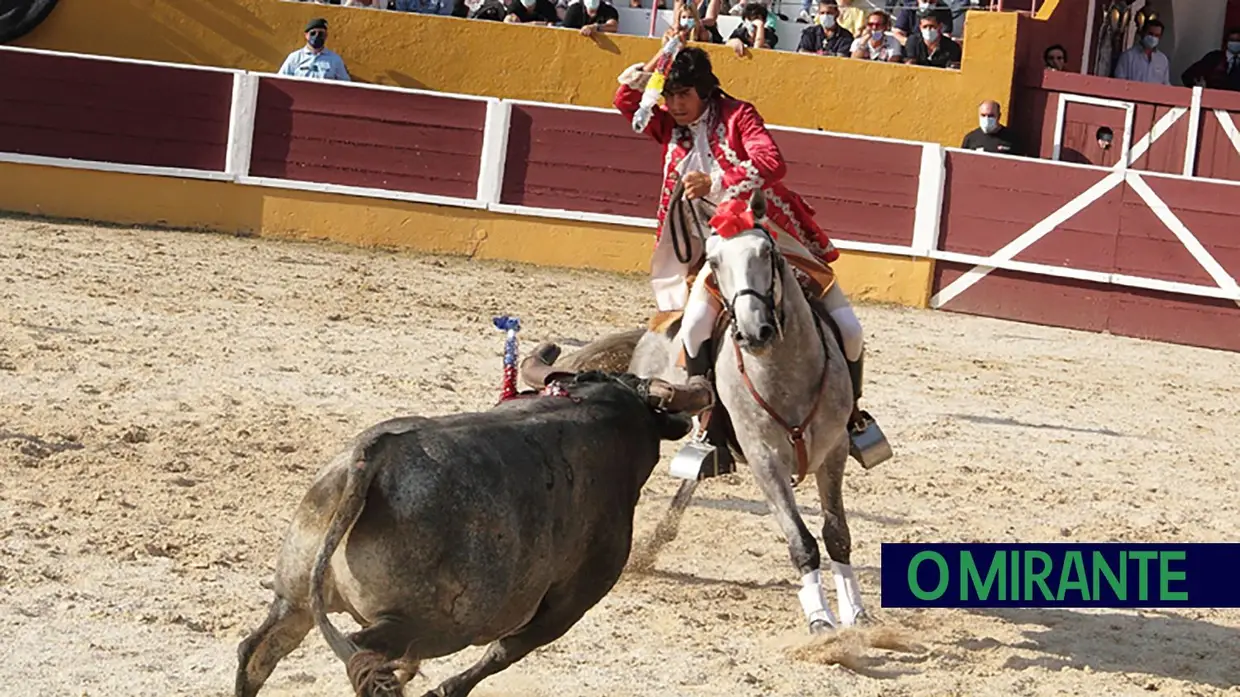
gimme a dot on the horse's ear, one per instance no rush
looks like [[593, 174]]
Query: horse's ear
[[757, 204]]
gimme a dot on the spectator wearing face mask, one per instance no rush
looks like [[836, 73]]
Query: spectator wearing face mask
[[929, 47], [753, 31], [532, 12], [313, 60], [990, 135], [1144, 62], [876, 43], [1055, 57], [908, 19], [591, 16], [1218, 69], [826, 37]]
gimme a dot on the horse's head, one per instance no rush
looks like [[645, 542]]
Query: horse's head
[[748, 269]]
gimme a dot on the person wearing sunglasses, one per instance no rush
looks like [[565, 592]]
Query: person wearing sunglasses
[[877, 43], [314, 60]]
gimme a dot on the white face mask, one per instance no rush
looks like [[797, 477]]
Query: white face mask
[[591, 5], [827, 21], [989, 124], [930, 34]]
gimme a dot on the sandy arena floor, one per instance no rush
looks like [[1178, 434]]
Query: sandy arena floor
[[168, 396]]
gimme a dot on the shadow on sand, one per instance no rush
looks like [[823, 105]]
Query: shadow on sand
[[1159, 644]]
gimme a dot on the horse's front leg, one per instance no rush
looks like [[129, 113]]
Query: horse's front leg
[[802, 546], [835, 535]]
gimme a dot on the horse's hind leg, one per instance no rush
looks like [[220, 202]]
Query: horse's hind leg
[[835, 535], [258, 654], [802, 546]]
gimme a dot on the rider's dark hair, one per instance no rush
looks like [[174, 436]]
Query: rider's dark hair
[[691, 68]]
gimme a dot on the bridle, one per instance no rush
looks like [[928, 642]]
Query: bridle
[[796, 434], [767, 297]]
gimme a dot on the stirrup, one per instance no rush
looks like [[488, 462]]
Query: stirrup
[[697, 459], [867, 444]]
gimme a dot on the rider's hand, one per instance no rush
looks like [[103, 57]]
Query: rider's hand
[[697, 184], [588, 30]]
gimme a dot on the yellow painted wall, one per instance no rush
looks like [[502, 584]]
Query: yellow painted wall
[[268, 212], [490, 58]]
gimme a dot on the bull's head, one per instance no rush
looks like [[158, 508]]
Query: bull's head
[[673, 404]]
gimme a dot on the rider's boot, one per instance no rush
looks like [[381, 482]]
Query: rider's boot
[[867, 445], [711, 448]]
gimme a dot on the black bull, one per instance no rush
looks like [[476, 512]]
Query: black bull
[[502, 527]]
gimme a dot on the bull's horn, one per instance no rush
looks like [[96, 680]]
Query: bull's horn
[[538, 368], [690, 398]]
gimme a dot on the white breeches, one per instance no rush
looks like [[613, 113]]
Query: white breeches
[[702, 310]]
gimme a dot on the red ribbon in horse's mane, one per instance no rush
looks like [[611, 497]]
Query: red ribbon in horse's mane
[[731, 218]]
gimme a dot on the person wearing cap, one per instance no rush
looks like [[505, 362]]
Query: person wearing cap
[[313, 60]]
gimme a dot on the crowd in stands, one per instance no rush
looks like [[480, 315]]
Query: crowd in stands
[[920, 35], [920, 32]]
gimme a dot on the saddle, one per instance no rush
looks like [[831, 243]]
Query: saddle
[[815, 281]]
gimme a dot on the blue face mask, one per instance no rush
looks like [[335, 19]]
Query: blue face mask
[[1150, 41], [687, 23], [1233, 47]]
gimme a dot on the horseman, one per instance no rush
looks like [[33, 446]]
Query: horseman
[[718, 148]]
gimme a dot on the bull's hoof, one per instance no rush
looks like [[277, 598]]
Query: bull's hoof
[[820, 628]]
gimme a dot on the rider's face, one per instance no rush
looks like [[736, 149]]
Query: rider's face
[[684, 105]]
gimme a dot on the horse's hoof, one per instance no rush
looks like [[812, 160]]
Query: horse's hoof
[[820, 627]]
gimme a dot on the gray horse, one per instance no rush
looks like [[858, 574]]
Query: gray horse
[[788, 394]]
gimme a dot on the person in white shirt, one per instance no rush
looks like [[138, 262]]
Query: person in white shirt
[[877, 43], [313, 60], [1144, 62]]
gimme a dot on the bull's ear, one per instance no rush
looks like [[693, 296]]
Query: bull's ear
[[673, 426]]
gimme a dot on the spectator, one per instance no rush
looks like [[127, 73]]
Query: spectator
[[532, 12], [1144, 62], [313, 60], [908, 19], [698, 22], [826, 37], [753, 31], [930, 47], [1056, 57], [990, 135], [877, 43], [1218, 69], [590, 16]]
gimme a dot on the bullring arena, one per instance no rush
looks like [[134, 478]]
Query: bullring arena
[[212, 276], [169, 396]]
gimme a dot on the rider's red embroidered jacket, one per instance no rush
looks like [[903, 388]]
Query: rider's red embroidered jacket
[[747, 155]]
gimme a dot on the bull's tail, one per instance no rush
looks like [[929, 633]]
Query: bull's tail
[[361, 472]]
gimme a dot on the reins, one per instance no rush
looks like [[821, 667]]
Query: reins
[[796, 434]]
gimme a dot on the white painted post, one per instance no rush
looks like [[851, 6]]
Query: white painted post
[[929, 211], [241, 125], [1194, 128], [494, 151]]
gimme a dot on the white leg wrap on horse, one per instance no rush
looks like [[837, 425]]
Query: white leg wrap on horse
[[848, 592], [813, 601]]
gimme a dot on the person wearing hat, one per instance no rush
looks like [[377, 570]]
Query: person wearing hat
[[313, 60]]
